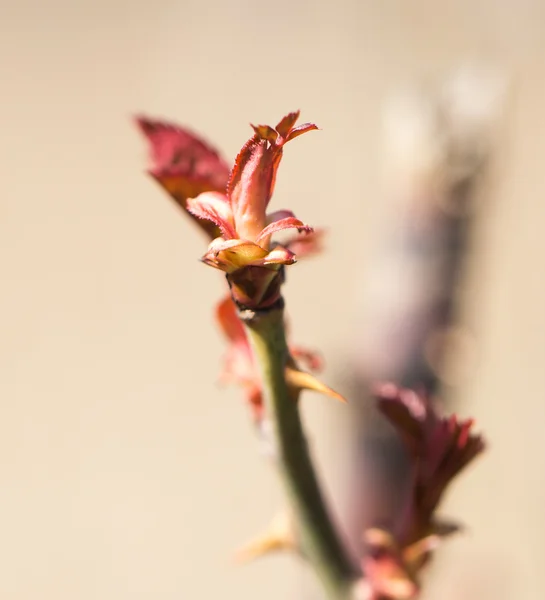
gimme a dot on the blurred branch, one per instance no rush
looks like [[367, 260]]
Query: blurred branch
[[439, 143]]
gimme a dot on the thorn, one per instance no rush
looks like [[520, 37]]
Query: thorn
[[277, 537], [305, 381], [416, 552], [379, 538]]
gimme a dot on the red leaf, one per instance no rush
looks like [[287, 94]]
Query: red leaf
[[286, 223], [297, 131], [306, 244], [286, 124], [439, 447], [214, 207], [183, 163], [266, 132], [231, 325], [251, 185]]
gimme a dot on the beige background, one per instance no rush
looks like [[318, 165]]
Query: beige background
[[124, 472]]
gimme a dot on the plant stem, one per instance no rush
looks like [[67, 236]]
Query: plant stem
[[319, 540]]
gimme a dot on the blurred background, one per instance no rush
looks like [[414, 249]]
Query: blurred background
[[126, 472]]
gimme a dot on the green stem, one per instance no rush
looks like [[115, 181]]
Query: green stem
[[319, 540]]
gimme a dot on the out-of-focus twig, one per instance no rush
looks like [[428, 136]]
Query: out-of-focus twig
[[439, 142]]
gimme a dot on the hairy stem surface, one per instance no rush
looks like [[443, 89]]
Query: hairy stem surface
[[319, 541]]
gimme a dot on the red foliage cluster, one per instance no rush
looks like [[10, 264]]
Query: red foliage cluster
[[438, 449]]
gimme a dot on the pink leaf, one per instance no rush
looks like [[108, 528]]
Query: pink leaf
[[286, 124], [306, 244], [297, 131], [214, 207], [251, 185], [283, 223], [231, 325]]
